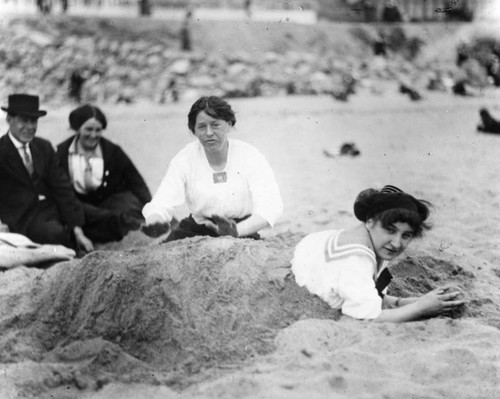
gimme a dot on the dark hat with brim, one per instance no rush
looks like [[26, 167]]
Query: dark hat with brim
[[24, 104]]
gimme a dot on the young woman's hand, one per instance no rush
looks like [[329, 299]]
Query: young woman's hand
[[438, 301]]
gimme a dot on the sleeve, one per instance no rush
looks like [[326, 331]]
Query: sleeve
[[62, 155], [357, 288], [69, 207], [171, 193], [133, 179], [266, 195]]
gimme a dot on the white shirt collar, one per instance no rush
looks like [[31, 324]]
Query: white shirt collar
[[72, 148]]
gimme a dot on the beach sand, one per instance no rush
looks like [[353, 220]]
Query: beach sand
[[217, 318]]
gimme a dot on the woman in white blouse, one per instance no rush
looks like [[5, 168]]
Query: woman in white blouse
[[348, 268], [226, 183]]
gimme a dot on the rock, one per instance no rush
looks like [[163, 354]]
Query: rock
[[180, 67]]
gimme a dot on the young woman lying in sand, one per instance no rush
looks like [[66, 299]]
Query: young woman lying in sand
[[348, 268], [226, 183]]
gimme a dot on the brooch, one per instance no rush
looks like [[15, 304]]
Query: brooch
[[220, 177]]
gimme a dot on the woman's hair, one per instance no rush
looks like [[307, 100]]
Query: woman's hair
[[213, 106], [391, 205], [82, 114], [391, 216]]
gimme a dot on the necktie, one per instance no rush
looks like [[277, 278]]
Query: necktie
[[28, 162], [87, 176]]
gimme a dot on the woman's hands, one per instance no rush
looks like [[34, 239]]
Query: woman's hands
[[82, 241], [224, 226], [155, 226], [4, 228], [439, 301]]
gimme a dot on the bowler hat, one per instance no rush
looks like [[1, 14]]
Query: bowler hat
[[24, 104]]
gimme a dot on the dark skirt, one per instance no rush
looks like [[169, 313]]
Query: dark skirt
[[189, 228], [113, 218]]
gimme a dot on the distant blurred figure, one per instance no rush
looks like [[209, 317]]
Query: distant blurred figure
[[185, 32], [391, 13], [76, 81], [144, 8], [412, 93], [460, 88], [44, 6], [248, 8], [380, 46], [488, 123], [369, 11]]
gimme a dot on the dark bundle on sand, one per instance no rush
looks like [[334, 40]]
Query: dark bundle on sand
[[412, 93], [488, 123]]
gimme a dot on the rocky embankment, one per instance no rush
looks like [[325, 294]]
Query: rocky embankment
[[112, 61]]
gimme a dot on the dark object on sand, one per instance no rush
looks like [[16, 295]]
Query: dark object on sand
[[412, 93], [488, 123], [460, 89], [349, 149], [391, 13], [345, 149]]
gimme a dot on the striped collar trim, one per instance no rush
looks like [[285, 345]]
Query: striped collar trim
[[335, 251]]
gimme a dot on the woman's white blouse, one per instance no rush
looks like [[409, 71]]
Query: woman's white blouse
[[343, 276], [247, 185], [77, 165]]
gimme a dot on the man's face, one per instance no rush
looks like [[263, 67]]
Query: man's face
[[22, 127]]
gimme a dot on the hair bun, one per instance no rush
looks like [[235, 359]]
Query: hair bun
[[363, 203]]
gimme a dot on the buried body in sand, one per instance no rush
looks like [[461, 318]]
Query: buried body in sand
[[223, 317]]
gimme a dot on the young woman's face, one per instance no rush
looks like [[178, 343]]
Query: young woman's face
[[90, 133], [390, 241], [211, 132]]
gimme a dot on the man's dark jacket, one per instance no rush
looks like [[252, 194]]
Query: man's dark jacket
[[20, 194], [120, 174]]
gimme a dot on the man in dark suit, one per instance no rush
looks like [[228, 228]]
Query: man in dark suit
[[36, 197]]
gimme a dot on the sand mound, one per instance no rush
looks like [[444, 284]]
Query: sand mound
[[191, 314], [176, 308]]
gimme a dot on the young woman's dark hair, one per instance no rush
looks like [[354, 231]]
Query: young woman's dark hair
[[213, 106], [391, 205], [414, 220]]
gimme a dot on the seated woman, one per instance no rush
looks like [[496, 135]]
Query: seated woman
[[104, 178], [227, 184], [348, 268]]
